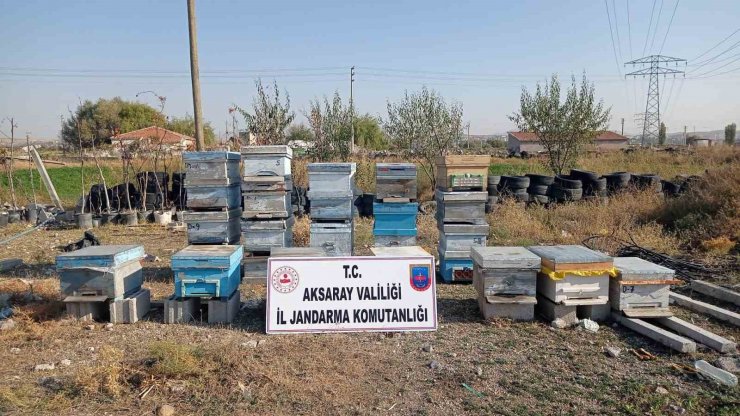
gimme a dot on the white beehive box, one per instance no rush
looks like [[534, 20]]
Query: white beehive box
[[574, 289], [505, 271], [266, 160], [337, 179], [641, 288]]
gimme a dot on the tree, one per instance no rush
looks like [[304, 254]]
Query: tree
[[661, 134], [270, 115], [299, 132], [423, 126], [730, 132], [331, 122], [99, 121], [368, 133], [563, 128], [186, 125]]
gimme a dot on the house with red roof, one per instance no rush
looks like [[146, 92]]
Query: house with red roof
[[522, 141], [153, 137]]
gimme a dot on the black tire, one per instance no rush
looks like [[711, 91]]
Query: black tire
[[584, 175], [535, 179], [492, 190], [539, 199], [493, 180], [567, 182], [513, 182], [647, 181], [671, 188], [565, 194], [594, 188], [537, 189]]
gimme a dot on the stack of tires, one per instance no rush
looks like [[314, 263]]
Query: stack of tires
[[153, 186], [493, 181], [594, 186], [647, 181], [178, 195], [96, 198], [617, 182], [539, 188], [565, 188], [118, 197], [514, 187]]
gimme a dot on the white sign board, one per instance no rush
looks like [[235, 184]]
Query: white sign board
[[344, 294]]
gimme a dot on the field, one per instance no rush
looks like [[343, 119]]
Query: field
[[468, 366]]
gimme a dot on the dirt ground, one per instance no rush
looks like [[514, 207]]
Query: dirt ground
[[468, 366]]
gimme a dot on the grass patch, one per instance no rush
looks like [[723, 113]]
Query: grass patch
[[175, 360], [66, 180]]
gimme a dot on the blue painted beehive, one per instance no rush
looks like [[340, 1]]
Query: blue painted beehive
[[395, 218], [100, 256], [455, 270], [207, 271]]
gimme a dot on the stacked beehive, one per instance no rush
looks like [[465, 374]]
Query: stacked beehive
[[573, 282], [395, 205], [213, 208], [267, 218], [205, 272], [100, 281], [506, 281], [330, 194], [461, 212], [641, 288]]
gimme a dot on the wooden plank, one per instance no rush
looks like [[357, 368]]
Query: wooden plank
[[702, 307], [45, 178], [717, 292], [669, 339], [576, 266], [694, 332], [647, 312], [651, 282]]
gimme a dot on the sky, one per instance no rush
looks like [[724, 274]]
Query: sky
[[478, 53]]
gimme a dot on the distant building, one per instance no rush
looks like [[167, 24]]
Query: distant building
[[522, 141], [154, 136], [696, 141]]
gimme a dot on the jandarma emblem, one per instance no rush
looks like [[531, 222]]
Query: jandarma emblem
[[284, 279], [420, 279]]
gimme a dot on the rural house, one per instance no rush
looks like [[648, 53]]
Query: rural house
[[154, 136], [522, 141]]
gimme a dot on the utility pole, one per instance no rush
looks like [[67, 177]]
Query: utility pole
[[684, 134], [622, 126], [30, 167], [352, 107], [10, 164], [195, 76], [651, 125]]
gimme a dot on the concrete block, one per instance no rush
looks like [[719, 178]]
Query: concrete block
[[223, 311], [180, 310], [518, 311], [552, 311], [717, 292], [669, 339], [696, 333], [131, 309], [706, 308], [598, 313]]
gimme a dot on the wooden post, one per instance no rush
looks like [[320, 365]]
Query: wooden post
[[45, 177]]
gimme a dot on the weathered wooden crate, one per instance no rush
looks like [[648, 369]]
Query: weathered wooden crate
[[327, 206], [213, 227], [337, 179], [266, 160], [574, 289], [403, 251], [395, 180], [505, 271], [461, 207], [265, 183], [263, 235], [207, 270], [462, 237], [266, 204], [207, 197], [641, 288], [462, 172], [211, 168], [333, 237], [518, 308], [394, 216], [297, 252], [113, 282], [100, 256], [255, 268], [394, 240]]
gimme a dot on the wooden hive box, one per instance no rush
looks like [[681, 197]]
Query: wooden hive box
[[266, 160], [461, 207], [641, 288], [572, 289], [213, 227], [207, 270], [408, 251], [211, 168], [395, 180], [455, 172], [111, 271], [505, 271]]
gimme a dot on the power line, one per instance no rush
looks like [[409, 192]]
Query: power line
[[669, 27], [650, 25], [616, 29], [715, 46], [710, 60], [727, 58], [157, 71], [721, 73], [611, 35], [719, 67], [629, 28], [657, 22]]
